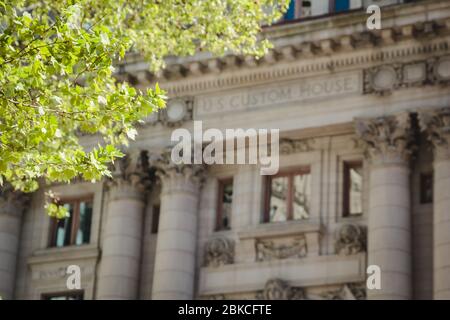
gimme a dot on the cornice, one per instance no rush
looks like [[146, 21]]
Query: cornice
[[298, 60]]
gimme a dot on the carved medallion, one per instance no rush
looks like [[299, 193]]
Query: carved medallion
[[219, 252], [351, 239]]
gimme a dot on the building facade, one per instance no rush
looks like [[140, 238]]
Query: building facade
[[364, 180]]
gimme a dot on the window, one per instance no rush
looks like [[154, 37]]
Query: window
[[75, 295], [155, 219], [341, 5], [426, 188], [225, 200], [353, 184], [76, 229], [297, 9], [288, 196]]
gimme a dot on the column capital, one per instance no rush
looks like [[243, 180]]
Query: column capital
[[388, 139], [130, 175], [175, 175], [12, 202], [436, 124]]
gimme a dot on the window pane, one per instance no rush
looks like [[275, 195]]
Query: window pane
[[302, 196], [63, 228], [278, 195], [341, 5], [84, 229], [226, 203], [290, 13], [355, 190]]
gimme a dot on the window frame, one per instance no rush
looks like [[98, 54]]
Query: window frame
[[75, 220], [290, 173], [219, 205], [330, 13], [347, 166]]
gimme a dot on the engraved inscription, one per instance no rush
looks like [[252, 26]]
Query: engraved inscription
[[302, 90]]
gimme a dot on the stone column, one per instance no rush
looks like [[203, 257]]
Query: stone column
[[11, 209], [174, 270], [122, 235], [437, 124], [387, 141]]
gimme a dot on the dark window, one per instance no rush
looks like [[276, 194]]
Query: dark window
[[353, 184], [76, 229], [341, 5], [75, 295], [426, 188], [155, 219], [288, 196], [298, 9], [224, 203]]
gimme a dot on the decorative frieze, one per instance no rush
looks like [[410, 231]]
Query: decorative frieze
[[277, 289], [386, 139], [351, 239], [289, 146], [267, 250], [219, 252], [49, 273], [384, 79]]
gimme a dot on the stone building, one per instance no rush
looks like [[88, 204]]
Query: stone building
[[364, 119]]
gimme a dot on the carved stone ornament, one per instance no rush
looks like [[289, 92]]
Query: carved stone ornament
[[131, 171], [267, 250], [351, 239], [288, 146], [176, 175], [277, 289], [219, 252], [436, 123], [386, 78], [177, 111], [386, 139], [440, 70], [382, 79], [414, 74], [11, 201], [351, 291]]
